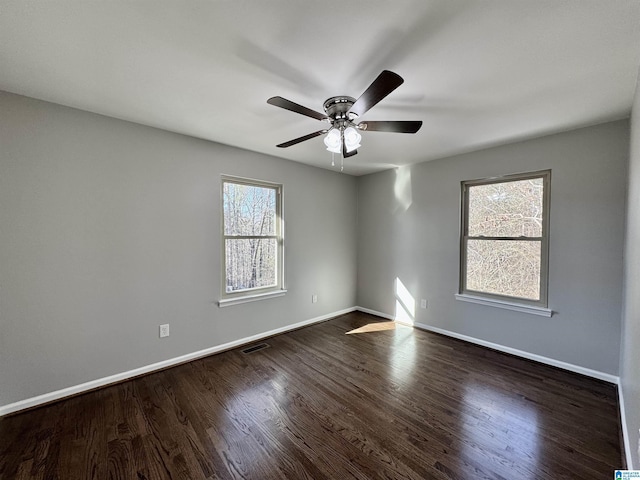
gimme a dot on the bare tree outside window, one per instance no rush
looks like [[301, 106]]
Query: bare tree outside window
[[505, 237], [252, 235]]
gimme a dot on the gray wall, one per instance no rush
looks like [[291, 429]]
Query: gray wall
[[630, 348], [109, 229], [409, 227]]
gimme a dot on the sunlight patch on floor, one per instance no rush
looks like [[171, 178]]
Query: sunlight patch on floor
[[374, 327]]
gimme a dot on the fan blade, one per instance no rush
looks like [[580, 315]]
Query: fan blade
[[391, 126], [346, 154], [382, 86], [301, 139], [294, 107]]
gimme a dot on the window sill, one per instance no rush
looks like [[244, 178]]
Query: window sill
[[227, 302], [516, 307]]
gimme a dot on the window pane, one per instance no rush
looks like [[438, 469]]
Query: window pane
[[251, 263], [507, 209], [249, 210], [504, 267]]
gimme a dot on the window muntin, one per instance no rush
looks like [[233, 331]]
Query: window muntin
[[252, 237], [504, 244]]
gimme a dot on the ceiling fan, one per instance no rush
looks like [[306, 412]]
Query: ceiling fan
[[341, 113]]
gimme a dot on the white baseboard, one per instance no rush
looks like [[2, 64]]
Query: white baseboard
[[377, 314], [119, 377], [607, 377], [625, 432]]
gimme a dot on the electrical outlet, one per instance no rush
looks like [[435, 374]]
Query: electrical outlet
[[164, 330], [423, 303], [314, 298]]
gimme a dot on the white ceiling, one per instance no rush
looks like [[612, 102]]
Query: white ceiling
[[477, 72]]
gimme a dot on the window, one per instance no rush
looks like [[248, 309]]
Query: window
[[504, 239], [252, 240]]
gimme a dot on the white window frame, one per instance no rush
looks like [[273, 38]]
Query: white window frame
[[258, 293], [538, 307]]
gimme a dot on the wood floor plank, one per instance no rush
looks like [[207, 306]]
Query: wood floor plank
[[318, 404]]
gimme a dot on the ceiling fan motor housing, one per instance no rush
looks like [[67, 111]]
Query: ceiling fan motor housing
[[337, 109]]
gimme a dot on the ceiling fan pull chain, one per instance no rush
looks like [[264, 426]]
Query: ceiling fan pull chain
[[333, 160], [342, 164]]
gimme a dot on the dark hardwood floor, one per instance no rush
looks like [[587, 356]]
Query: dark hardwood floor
[[320, 404]]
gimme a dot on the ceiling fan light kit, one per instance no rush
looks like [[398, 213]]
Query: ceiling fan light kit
[[333, 141], [351, 139], [342, 111]]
